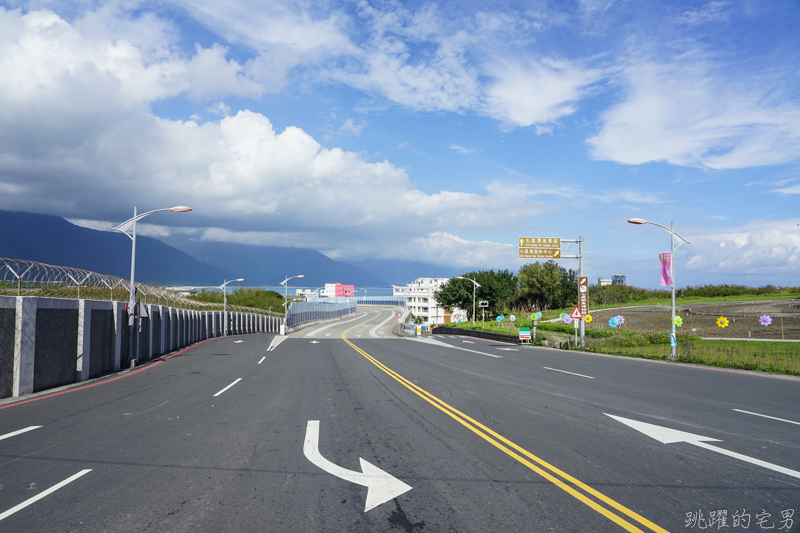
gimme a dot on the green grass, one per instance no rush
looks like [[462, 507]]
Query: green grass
[[775, 357], [246, 297]]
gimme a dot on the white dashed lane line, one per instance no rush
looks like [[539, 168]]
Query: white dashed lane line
[[43, 494], [565, 372], [765, 416], [18, 432], [228, 387]]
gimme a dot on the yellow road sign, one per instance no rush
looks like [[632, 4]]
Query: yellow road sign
[[539, 253], [540, 242]]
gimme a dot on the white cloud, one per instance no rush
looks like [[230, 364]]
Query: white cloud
[[76, 129], [530, 91], [461, 150], [687, 113], [219, 109], [351, 127], [629, 196], [761, 247], [711, 12]]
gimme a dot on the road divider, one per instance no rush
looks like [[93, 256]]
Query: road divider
[[567, 483]]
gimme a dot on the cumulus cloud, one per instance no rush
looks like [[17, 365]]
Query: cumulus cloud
[[761, 247], [688, 113], [91, 135]]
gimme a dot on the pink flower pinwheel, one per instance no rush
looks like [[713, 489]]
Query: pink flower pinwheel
[[765, 320]]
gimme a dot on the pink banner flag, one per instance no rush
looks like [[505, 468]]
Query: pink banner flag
[[666, 263]]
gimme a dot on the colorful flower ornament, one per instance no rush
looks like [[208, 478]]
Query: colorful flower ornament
[[538, 314], [678, 321], [722, 322], [765, 320], [620, 318], [588, 319], [613, 322], [566, 318]]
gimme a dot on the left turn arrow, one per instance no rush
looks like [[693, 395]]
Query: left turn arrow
[[381, 486]]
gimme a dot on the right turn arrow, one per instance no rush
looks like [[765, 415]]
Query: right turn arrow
[[381, 486]]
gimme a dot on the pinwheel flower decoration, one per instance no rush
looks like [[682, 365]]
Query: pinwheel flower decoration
[[765, 320], [538, 314], [678, 321], [588, 319], [620, 318], [566, 318], [722, 322], [613, 322]]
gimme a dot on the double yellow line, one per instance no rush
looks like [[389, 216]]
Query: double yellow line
[[522, 455]]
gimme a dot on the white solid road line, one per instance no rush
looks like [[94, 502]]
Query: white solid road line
[[275, 342], [228, 387], [565, 372], [765, 416], [43, 494], [315, 331], [444, 344], [373, 331], [262, 359], [18, 432]]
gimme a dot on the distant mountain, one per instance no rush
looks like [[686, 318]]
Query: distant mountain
[[269, 265], [53, 240], [403, 272]]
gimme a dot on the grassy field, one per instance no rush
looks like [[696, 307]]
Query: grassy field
[[775, 357]]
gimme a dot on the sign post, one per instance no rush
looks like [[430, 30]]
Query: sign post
[[550, 248]]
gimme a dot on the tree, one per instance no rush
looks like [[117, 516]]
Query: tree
[[496, 287], [546, 286]]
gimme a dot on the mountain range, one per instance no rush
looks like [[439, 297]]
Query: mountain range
[[56, 241]]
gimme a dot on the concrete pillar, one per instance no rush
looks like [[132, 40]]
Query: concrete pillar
[[120, 322], [24, 345], [84, 340]]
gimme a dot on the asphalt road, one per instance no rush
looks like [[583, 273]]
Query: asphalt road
[[490, 437]]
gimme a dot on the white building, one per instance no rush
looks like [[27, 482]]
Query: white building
[[419, 298]]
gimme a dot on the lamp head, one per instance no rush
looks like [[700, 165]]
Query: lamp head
[[180, 209], [301, 276], [637, 221], [460, 277], [240, 279]]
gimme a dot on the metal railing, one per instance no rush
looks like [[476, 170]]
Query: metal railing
[[20, 277], [305, 312]]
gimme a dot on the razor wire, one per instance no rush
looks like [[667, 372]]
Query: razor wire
[[23, 277]]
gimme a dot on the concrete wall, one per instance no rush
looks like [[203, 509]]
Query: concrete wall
[[49, 342]]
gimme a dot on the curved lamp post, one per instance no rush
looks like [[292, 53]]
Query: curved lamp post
[[285, 284], [130, 225], [475, 286], [225, 304], [671, 230]]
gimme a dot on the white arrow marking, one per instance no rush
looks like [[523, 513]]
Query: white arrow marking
[[314, 342], [669, 436], [237, 342], [327, 334], [381, 486]]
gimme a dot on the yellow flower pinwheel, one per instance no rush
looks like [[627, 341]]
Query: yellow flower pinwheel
[[678, 321], [722, 322], [588, 319]]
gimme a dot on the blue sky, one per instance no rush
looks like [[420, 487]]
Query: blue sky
[[436, 132]]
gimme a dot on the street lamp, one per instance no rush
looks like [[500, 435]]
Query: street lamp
[[475, 286], [285, 284], [225, 304], [673, 339], [130, 224]]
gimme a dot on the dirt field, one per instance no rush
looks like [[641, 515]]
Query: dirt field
[[701, 319]]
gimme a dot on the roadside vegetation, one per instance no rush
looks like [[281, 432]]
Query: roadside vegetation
[[552, 290], [244, 296]]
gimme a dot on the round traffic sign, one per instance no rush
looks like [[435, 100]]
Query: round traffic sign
[[399, 314]]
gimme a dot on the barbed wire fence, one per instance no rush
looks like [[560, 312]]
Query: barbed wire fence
[[20, 277]]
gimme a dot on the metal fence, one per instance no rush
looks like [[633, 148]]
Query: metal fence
[[20, 277], [389, 301], [305, 312]]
